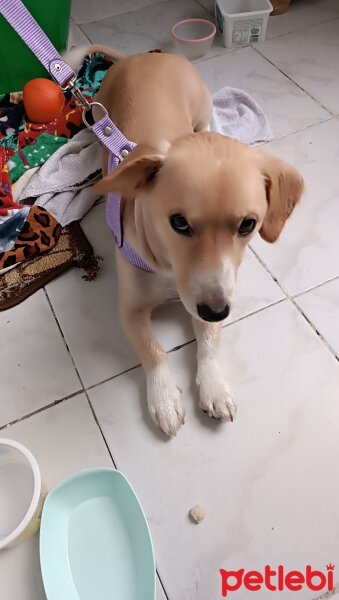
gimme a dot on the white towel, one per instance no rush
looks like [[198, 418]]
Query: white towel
[[237, 115], [63, 184]]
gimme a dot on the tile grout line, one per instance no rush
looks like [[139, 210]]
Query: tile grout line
[[63, 338], [255, 312], [223, 52], [162, 585], [315, 287], [100, 429], [306, 291], [187, 343], [124, 12], [275, 37], [295, 83], [84, 391], [94, 385], [298, 308], [41, 409], [205, 7], [286, 135], [330, 117], [80, 391], [82, 31]]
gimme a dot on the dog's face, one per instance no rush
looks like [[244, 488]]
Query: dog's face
[[202, 201]]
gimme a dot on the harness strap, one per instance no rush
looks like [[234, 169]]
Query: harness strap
[[105, 130], [118, 146], [113, 218]]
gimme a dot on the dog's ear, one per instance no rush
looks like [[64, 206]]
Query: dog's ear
[[134, 173], [284, 187]]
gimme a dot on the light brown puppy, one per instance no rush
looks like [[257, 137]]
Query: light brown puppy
[[192, 202]]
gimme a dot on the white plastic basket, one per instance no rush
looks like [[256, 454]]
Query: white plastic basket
[[242, 22]]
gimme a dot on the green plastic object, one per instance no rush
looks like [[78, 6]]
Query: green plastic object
[[18, 63], [94, 540]]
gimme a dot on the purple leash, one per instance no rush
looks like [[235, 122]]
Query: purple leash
[[109, 135], [28, 29]]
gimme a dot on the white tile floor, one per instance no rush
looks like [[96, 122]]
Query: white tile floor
[[269, 480]]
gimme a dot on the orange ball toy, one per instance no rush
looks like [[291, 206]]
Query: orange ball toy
[[43, 100]]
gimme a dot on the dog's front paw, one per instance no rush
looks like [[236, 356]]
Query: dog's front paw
[[215, 395], [164, 400]]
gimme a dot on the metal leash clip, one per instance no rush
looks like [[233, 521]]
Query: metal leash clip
[[82, 100]]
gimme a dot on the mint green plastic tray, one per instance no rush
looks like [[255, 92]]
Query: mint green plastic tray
[[94, 540]]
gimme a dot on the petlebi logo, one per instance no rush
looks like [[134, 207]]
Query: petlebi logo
[[277, 579]]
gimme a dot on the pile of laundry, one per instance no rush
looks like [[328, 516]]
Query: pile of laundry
[[46, 170]]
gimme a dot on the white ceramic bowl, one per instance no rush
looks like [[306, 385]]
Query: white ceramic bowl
[[193, 37], [21, 495]]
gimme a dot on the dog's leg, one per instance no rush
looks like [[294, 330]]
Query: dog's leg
[[215, 395], [163, 396]]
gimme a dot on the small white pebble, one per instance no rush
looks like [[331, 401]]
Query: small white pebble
[[198, 513]]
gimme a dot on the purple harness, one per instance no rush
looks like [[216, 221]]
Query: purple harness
[[118, 147], [109, 135]]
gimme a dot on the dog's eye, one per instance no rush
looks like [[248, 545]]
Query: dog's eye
[[180, 224], [247, 226]]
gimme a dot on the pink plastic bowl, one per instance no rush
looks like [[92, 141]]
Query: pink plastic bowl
[[193, 37]]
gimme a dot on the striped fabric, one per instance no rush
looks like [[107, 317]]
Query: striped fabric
[[29, 30]]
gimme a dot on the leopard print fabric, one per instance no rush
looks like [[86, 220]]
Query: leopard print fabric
[[39, 233]]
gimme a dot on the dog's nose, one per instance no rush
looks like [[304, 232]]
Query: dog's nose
[[212, 314]]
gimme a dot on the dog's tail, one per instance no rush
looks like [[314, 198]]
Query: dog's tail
[[75, 56]]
